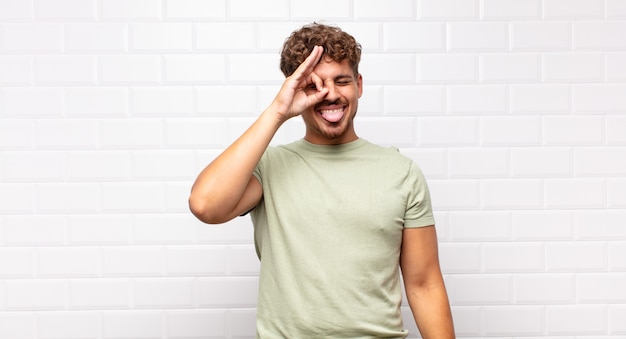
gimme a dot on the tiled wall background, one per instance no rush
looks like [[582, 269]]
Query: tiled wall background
[[514, 109]]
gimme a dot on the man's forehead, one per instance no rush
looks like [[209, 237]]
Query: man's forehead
[[330, 68]]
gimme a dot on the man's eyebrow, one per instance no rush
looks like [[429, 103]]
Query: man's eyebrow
[[343, 77]]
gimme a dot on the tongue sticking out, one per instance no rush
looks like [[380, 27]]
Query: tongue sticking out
[[333, 115]]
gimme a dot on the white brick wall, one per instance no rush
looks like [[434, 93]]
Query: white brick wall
[[514, 109]]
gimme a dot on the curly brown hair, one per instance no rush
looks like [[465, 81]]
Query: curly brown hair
[[338, 45]]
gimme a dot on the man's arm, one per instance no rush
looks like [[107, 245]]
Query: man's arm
[[423, 283], [226, 188]]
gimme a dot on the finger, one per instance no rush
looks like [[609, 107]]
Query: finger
[[310, 62], [319, 84]]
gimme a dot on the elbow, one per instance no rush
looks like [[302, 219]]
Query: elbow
[[203, 210]]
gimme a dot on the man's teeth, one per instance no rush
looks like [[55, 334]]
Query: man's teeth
[[331, 111]]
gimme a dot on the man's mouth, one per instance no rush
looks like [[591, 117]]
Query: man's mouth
[[332, 114]]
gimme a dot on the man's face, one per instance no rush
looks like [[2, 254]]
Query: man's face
[[331, 120]]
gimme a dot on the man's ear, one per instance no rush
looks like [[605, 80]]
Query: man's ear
[[359, 83]]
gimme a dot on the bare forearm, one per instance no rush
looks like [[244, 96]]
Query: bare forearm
[[220, 186], [431, 310]]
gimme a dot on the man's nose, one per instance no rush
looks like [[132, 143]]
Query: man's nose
[[332, 94]]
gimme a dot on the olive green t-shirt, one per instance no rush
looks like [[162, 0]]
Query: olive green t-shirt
[[328, 232]]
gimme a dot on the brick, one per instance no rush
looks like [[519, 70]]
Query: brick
[[599, 98], [414, 100], [425, 36], [615, 125], [100, 229], [130, 69], [38, 102], [594, 161], [575, 320], [132, 133], [368, 34], [68, 262], [130, 9], [569, 9], [195, 69], [616, 315], [576, 257], [448, 131], [432, 162], [17, 198], [540, 35], [540, 99], [399, 132], [41, 294], [545, 288], [68, 325], [133, 261], [615, 9], [522, 67], [447, 68], [341, 9], [236, 231], [541, 162], [543, 225], [161, 100], [122, 324], [160, 36], [15, 70], [177, 196], [514, 258], [480, 226], [195, 9], [16, 133], [96, 37], [270, 35], [388, 69], [17, 263], [483, 99], [574, 193], [596, 288], [480, 289], [25, 166], [251, 9], [600, 225], [615, 65], [18, 325], [226, 100], [226, 36], [616, 193], [447, 9], [511, 9], [100, 101], [76, 197], [253, 68], [599, 35], [67, 134], [368, 9], [197, 324], [477, 163], [11, 10], [131, 196], [460, 258], [65, 9], [513, 320], [228, 292], [573, 130], [196, 132], [35, 230], [501, 130], [243, 260], [164, 293], [478, 36], [573, 67], [162, 165], [466, 197], [164, 229], [196, 260], [512, 194], [31, 37], [467, 320]]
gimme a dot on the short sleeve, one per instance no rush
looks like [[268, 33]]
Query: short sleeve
[[419, 212]]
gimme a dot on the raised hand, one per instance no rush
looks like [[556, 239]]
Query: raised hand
[[296, 93]]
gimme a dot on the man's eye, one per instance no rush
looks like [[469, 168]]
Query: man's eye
[[311, 86]]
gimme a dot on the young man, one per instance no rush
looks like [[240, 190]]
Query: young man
[[334, 215]]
